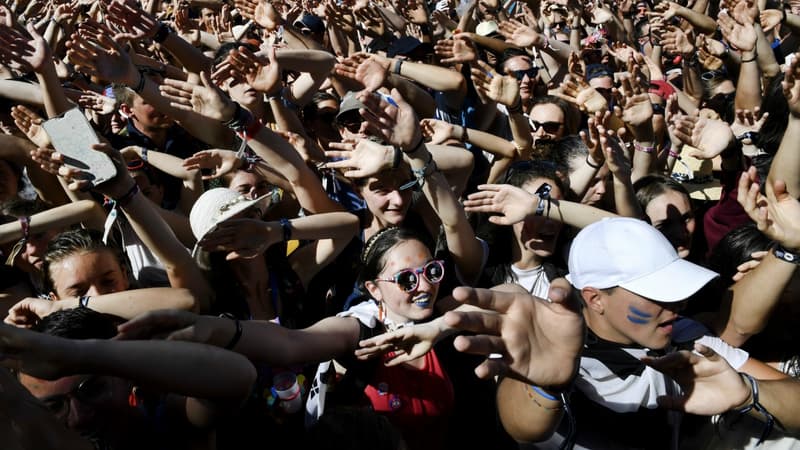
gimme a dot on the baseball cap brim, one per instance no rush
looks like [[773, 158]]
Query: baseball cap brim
[[674, 282]]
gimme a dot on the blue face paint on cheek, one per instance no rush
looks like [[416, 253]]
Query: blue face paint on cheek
[[638, 317]]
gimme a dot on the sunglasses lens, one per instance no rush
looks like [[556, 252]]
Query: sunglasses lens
[[407, 280], [434, 271], [551, 127]]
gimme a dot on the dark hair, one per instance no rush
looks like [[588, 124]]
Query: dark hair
[[507, 54], [771, 133], [376, 250], [79, 323], [651, 186], [571, 114], [498, 237], [735, 249], [311, 109], [71, 242]]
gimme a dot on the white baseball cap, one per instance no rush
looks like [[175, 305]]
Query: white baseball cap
[[216, 206], [633, 255]]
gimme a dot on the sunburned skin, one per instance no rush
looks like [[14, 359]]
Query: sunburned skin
[[638, 317]]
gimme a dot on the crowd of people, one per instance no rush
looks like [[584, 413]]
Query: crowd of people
[[352, 224]]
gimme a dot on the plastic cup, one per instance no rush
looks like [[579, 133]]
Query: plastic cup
[[288, 391]]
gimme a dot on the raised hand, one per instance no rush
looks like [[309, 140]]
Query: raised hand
[[709, 384], [391, 118], [372, 72], [710, 137], [347, 67], [456, 51], [362, 160], [23, 53], [263, 75], [371, 21], [520, 35], [747, 121], [777, 214], [675, 41], [132, 21], [742, 35], [242, 238], [438, 131], [770, 18], [507, 204], [206, 99], [218, 161], [791, 86], [98, 103], [578, 92], [93, 51], [30, 124], [539, 340], [495, 87]]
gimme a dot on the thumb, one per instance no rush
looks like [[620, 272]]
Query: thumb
[[206, 80]]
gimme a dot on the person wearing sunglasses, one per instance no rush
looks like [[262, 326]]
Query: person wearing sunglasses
[[402, 279], [547, 118], [518, 64]]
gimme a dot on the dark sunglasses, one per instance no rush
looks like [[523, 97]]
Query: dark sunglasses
[[91, 391], [520, 74], [549, 127], [408, 279], [351, 124]]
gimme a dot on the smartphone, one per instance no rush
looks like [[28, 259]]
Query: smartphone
[[73, 136]]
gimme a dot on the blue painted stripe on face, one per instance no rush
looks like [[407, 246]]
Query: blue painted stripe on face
[[637, 320], [636, 312]]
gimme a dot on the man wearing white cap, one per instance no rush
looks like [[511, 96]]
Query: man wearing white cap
[[632, 285]]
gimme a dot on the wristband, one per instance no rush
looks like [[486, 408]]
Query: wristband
[[643, 148], [397, 159], [125, 199], [144, 154], [427, 169], [755, 404], [286, 226], [752, 135], [755, 56], [783, 254], [83, 301], [414, 148], [241, 119], [25, 224], [163, 32], [593, 166], [544, 197], [532, 390], [516, 108], [236, 336], [398, 64]]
